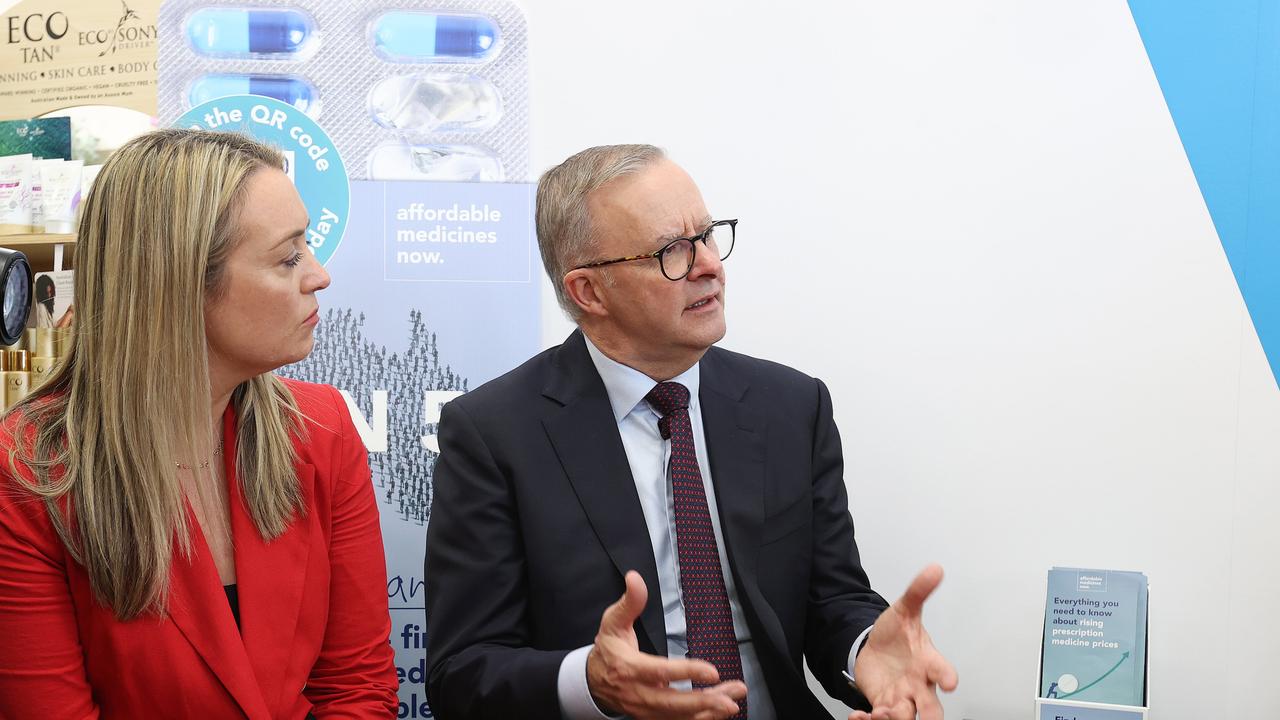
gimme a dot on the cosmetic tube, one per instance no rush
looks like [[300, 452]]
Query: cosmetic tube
[[40, 345], [60, 190], [15, 191], [88, 174], [37, 182]]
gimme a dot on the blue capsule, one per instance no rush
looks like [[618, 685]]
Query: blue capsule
[[285, 88], [245, 32], [405, 36]]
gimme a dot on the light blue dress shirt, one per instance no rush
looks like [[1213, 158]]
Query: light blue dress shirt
[[649, 457]]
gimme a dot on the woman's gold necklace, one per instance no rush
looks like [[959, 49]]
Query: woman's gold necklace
[[205, 464]]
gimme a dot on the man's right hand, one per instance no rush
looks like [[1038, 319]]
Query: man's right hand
[[625, 681]]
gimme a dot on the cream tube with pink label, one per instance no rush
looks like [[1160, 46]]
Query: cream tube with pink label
[[15, 193]]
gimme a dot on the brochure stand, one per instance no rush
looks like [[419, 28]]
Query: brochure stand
[[1067, 709], [1051, 709]]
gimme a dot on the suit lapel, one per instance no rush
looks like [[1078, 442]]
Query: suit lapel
[[586, 440], [270, 577], [198, 608], [735, 449], [735, 433]]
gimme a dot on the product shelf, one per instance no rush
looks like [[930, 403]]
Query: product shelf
[[40, 248]]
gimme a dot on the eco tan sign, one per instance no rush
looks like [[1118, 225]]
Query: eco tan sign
[[56, 55]]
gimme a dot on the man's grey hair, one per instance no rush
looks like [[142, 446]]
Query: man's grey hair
[[565, 236]]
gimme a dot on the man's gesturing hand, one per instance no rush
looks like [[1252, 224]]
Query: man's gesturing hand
[[899, 670], [624, 680]]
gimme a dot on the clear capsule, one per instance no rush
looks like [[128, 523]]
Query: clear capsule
[[407, 36], [285, 88], [440, 163], [427, 102], [249, 32]]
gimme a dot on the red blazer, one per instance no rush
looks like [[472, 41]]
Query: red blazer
[[313, 608]]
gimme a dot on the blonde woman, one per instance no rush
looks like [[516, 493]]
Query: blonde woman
[[183, 534]]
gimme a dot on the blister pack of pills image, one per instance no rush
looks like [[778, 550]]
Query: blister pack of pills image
[[407, 89]]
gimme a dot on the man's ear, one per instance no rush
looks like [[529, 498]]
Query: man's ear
[[587, 290]]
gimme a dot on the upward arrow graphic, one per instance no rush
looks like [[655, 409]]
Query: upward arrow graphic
[[1123, 657]]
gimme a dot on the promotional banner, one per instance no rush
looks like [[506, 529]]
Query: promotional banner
[[434, 290]]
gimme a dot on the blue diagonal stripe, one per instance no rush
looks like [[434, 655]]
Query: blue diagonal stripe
[[1218, 63]]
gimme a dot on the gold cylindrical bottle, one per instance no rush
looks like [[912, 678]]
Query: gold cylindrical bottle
[[16, 374], [43, 357]]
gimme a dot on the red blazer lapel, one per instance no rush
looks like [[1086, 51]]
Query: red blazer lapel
[[198, 607], [271, 579]]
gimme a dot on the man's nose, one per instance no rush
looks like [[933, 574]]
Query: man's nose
[[706, 262]]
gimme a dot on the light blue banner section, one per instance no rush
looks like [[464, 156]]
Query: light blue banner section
[[1218, 64], [452, 232]]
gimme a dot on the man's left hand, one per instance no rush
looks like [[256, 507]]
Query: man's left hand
[[899, 669]]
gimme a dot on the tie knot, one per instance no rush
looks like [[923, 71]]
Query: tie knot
[[668, 397]]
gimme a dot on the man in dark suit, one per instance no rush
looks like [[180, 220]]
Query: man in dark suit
[[639, 523]]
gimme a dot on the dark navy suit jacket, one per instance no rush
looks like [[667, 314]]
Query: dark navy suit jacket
[[536, 519]]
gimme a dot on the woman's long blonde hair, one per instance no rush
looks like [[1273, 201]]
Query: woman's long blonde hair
[[132, 394]]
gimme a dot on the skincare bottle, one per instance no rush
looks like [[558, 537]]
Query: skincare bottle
[[15, 192], [38, 168], [88, 174], [40, 345], [60, 192], [16, 373]]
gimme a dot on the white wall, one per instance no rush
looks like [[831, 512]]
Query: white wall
[[975, 221]]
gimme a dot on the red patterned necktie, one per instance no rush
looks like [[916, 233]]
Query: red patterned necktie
[[708, 620]]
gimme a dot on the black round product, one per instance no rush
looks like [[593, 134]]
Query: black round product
[[15, 295]]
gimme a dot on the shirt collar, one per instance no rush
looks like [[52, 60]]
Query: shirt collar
[[627, 386]]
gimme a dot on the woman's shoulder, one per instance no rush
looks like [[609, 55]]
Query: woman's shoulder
[[22, 510], [328, 439], [15, 480], [17, 441], [323, 411], [9, 429], [314, 398]]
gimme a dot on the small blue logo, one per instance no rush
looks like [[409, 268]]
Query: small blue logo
[[311, 159]]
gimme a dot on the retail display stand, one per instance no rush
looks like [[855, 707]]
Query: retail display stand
[[1050, 709], [1086, 631]]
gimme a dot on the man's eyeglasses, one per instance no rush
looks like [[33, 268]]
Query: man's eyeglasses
[[676, 257]]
